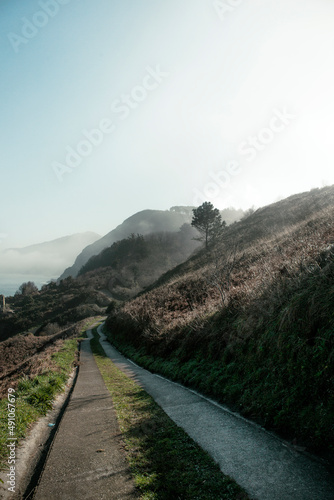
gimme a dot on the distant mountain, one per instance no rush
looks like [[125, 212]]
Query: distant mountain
[[128, 266], [144, 223], [48, 258]]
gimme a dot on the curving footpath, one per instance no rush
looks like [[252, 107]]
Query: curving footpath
[[264, 465], [86, 460]]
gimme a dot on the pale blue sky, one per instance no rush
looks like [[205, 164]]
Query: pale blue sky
[[227, 76]]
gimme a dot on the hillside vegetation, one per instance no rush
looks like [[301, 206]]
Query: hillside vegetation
[[118, 272], [250, 322], [145, 222], [51, 309], [135, 262]]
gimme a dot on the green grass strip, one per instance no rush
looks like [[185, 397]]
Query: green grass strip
[[34, 397], [165, 462]]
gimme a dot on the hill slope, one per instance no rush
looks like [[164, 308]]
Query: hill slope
[[251, 321], [119, 271], [144, 223], [131, 264]]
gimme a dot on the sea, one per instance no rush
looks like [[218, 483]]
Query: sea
[[10, 283]]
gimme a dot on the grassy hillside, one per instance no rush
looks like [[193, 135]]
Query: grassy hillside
[[135, 262], [52, 308], [251, 321], [145, 222], [118, 272]]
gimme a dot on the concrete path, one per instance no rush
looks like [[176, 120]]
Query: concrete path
[[86, 460], [266, 467]]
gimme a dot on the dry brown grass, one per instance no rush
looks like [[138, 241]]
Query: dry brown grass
[[29, 356], [264, 265]]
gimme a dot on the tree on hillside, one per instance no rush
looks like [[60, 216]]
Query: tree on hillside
[[207, 220], [28, 288]]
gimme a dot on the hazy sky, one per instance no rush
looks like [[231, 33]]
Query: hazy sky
[[110, 107]]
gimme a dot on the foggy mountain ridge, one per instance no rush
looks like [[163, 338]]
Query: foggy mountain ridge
[[47, 258], [62, 242], [144, 222]]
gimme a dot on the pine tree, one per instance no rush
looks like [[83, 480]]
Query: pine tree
[[207, 220]]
